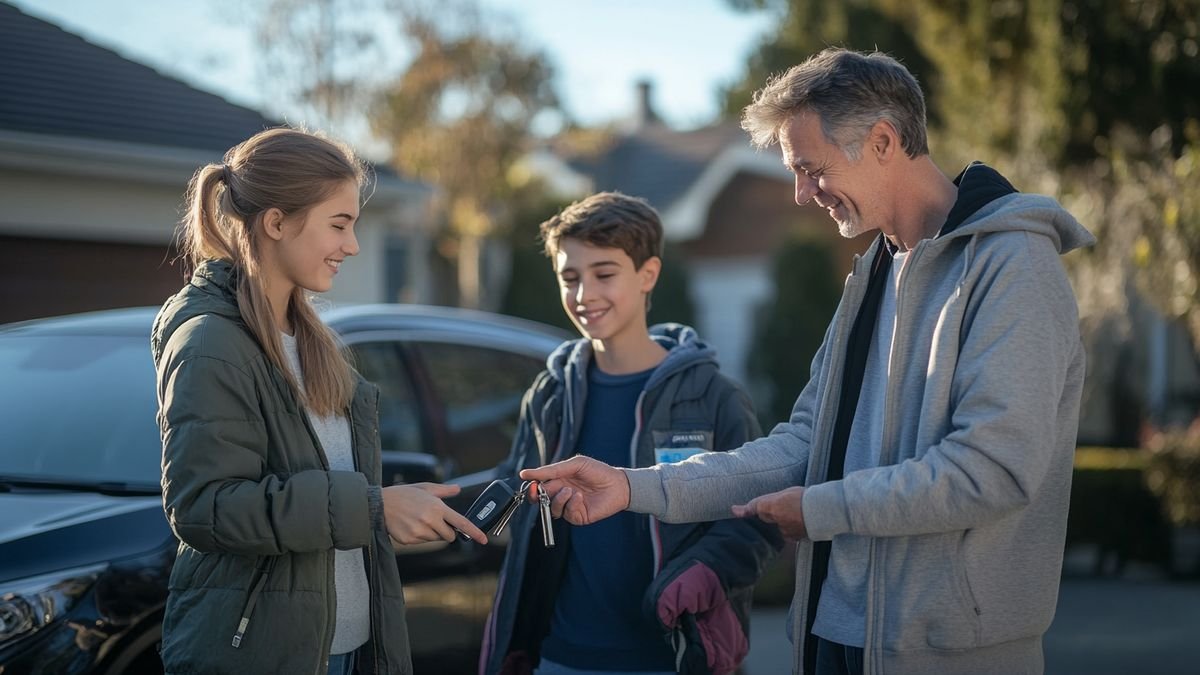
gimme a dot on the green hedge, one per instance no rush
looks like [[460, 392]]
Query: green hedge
[[1173, 473], [1114, 509]]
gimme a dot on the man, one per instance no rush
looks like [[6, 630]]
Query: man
[[926, 466]]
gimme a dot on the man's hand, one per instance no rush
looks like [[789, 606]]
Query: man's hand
[[416, 514], [783, 508], [582, 490]]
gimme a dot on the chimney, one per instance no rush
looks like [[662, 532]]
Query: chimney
[[645, 115]]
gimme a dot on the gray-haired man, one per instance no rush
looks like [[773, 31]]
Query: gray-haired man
[[926, 466]]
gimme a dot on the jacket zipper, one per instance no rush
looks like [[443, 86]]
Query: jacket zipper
[[330, 582], [261, 572], [490, 629], [652, 522], [887, 456], [373, 607], [823, 423], [372, 578]]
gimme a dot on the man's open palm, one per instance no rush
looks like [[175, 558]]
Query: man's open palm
[[582, 490]]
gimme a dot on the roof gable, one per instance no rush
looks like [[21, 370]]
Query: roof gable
[[657, 163]]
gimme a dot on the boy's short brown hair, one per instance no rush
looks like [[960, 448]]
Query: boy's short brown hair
[[608, 220]]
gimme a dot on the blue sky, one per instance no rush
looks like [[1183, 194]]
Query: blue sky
[[600, 47]]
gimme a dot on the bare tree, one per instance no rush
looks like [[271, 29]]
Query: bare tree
[[459, 117], [448, 94], [323, 60]]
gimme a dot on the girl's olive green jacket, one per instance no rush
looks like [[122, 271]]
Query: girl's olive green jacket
[[258, 513]]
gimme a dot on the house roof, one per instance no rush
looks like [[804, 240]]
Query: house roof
[[656, 162], [58, 83]]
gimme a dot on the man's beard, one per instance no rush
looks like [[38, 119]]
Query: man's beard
[[850, 227]]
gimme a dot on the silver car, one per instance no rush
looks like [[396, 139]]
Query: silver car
[[85, 550]]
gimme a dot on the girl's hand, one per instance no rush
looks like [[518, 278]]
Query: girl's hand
[[415, 514]]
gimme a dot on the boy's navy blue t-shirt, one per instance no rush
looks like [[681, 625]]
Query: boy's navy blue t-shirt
[[598, 619]]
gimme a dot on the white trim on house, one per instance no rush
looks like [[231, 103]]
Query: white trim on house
[[685, 218], [727, 294], [557, 175], [65, 155], [154, 164], [58, 187]]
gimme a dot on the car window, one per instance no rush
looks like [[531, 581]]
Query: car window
[[79, 408], [382, 363], [480, 390]]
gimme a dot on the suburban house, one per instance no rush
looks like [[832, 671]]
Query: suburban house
[[95, 155]]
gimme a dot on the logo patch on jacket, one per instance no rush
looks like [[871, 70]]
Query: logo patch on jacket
[[675, 446]]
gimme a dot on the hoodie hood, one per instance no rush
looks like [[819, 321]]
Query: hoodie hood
[[211, 290], [568, 370], [568, 363], [987, 203]]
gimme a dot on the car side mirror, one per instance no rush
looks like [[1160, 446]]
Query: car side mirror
[[401, 468]]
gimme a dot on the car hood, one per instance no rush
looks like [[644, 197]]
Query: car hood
[[44, 531]]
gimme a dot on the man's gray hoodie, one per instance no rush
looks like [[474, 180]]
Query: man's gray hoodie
[[967, 507]]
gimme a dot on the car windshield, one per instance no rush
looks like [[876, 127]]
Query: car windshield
[[78, 409]]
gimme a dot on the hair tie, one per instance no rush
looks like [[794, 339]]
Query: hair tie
[[226, 174]]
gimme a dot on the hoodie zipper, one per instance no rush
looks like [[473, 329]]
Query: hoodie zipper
[[822, 433], [652, 522]]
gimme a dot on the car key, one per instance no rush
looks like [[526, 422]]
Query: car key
[[510, 509], [547, 520], [491, 504]]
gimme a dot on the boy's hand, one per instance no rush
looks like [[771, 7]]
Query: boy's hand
[[582, 490], [416, 514], [783, 508]]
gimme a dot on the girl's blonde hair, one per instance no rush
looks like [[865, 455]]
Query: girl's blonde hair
[[290, 170]]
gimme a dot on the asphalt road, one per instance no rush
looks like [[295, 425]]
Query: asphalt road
[[1102, 627]]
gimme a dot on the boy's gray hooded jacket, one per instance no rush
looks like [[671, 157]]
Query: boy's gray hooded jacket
[[686, 398], [968, 504]]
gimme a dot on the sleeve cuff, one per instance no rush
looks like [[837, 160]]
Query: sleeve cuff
[[825, 512], [375, 507], [646, 492]]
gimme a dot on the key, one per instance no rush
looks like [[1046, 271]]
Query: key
[[509, 509], [547, 520]]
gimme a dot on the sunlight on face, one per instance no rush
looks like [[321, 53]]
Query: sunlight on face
[[602, 292], [824, 174], [317, 242]]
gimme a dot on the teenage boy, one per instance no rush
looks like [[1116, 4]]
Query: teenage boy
[[628, 594]]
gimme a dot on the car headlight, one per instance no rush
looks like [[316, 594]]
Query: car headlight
[[27, 605]]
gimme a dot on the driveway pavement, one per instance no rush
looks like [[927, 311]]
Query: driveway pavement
[[1103, 627]]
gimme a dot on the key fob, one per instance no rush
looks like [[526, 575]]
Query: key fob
[[490, 505]]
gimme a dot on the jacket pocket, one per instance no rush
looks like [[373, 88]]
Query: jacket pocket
[[963, 582], [928, 602], [959, 629], [261, 571]]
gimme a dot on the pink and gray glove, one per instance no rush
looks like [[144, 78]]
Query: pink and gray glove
[[698, 592]]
